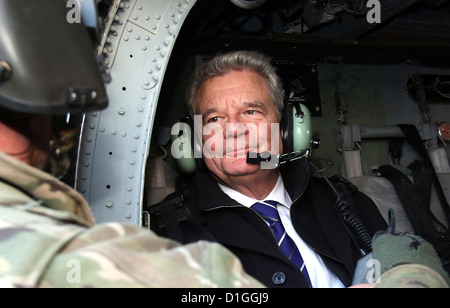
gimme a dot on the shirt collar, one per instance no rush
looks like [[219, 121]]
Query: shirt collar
[[278, 194], [207, 194]]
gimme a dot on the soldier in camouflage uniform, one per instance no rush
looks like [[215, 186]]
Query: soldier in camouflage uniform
[[47, 233], [48, 239]]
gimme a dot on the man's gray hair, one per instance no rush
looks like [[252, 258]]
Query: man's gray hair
[[237, 61]]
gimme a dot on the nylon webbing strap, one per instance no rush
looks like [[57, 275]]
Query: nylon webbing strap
[[414, 139], [422, 176], [418, 211]]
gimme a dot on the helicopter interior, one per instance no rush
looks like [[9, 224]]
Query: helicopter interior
[[361, 67], [356, 78]]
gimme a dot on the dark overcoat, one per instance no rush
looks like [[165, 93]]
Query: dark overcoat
[[314, 216]]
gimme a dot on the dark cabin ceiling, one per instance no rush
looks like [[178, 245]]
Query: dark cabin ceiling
[[416, 31]]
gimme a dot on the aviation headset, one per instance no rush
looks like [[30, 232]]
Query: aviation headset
[[295, 129]]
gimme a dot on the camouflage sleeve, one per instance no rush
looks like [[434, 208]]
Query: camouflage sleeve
[[39, 251], [118, 255]]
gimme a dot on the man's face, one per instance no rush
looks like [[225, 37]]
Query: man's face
[[237, 113]]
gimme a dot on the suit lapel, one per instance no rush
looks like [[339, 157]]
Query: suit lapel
[[231, 223], [247, 231], [321, 226]]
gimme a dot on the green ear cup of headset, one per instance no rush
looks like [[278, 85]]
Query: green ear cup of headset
[[182, 149], [301, 128]]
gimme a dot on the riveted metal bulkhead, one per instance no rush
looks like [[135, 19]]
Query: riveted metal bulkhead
[[115, 142]]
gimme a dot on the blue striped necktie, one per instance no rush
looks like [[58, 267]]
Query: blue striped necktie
[[268, 211]]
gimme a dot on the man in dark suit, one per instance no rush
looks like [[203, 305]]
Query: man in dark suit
[[303, 241]]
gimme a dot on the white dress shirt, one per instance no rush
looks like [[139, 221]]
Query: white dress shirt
[[319, 274]]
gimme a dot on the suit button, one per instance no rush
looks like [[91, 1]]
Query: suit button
[[278, 278]]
